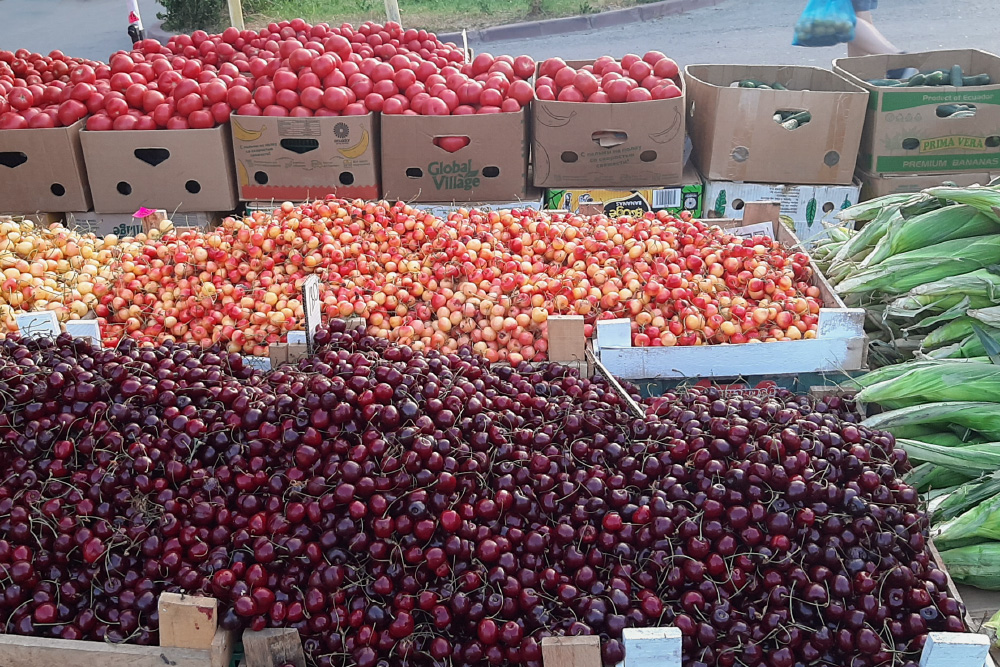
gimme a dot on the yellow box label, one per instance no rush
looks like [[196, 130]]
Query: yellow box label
[[953, 142]]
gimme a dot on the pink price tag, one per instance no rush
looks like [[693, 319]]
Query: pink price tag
[[143, 212]]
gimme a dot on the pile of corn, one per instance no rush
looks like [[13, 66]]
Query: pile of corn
[[925, 266], [946, 415]]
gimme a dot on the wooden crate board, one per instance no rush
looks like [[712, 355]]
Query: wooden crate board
[[840, 345], [17, 651]]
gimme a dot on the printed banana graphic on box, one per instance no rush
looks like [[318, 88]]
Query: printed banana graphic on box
[[358, 149], [243, 134]]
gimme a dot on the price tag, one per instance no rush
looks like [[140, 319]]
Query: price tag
[[44, 324], [310, 299], [85, 329], [297, 338], [258, 363], [750, 231]]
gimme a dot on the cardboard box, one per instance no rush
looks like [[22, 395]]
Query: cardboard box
[[874, 185], [635, 201], [126, 224], [476, 158], [302, 159], [40, 219], [43, 170], [736, 136], [806, 208], [626, 145], [903, 133], [177, 170]]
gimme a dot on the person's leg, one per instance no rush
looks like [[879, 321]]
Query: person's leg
[[867, 38]]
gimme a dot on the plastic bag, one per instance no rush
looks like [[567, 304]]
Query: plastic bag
[[825, 23]]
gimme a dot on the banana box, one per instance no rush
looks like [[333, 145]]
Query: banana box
[[595, 145], [297, 159], [177, 170], [633, 202], [474, 158]]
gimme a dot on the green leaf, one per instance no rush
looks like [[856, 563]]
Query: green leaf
[[991, 346]]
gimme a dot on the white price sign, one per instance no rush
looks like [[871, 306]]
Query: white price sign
[[310, 300], [44, 324]]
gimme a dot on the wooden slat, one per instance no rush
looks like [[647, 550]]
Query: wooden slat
[[188, 621], [571, 651], [16, 651], [273, 647], [221, 653]]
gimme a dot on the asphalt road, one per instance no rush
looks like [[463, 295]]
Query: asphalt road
[[760, 32], [83, 28]]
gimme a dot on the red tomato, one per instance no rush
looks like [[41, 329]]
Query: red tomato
[[386, 88], [570, 94], [463, 110], [237, 96], [275, 110], [450, 97], [126, 122], [162, 113], [360, 84], [617, 90], [522, 92], [435, 106], [652, 57], [393, 106], [482, 63], [470, 92], [121, 63], [189, 103], [355, 109], [71, 111], [545, 93], [324, 65], [600, 97], [95, 102], [264, 97], [524, 67], [287, 98], [221, 112], [404, 78], [665, 68], [285, 80], [249, 110], [426, 69], [335, 99], [629, 59], [491, 97], [145, 123], [214, 91], [134, 95], [83, 74], [417, 102], [565, 77], [550, 66], [486, 110], [639, 70], [308, 79], [116, 107], [20, 98], [666, 92], [41, 121], [186, 87], [638, 95], [374, 102], [510, 105], [586, 83], [300, 58], [82, 91], [382, 71], [96, 123], [311, 97]]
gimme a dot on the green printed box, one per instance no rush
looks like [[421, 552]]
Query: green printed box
[[914, 130]]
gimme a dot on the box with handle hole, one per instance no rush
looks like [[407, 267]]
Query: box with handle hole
[[943, 118], [43, 170], [607, 145], [473, 158], [176, 170], [298, 159], [767, 124]]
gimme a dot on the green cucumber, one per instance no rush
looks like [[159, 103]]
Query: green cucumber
[[946, 110], [885, 82], [956, 75], [916, 80], [778, 86], [977, 80], [935, 79]]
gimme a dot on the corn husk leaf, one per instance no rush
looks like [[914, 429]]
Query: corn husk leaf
[[907, 270], [859, 245], [927, 476], [984, 199], [981, 417], [951, 332], [943, 224], [966, 497], [869, 210], [977, 565], [971, 460], [947, 382], [988, 316], [979, 524]]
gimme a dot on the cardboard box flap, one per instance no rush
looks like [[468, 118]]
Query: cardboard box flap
[[796, 78], [43, 169]]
